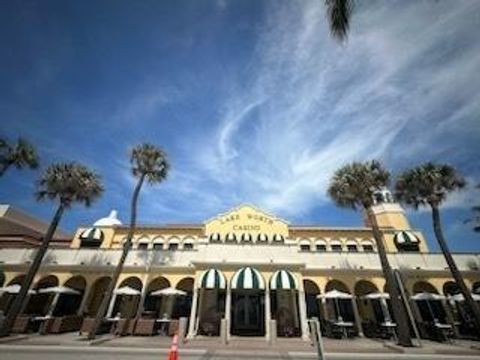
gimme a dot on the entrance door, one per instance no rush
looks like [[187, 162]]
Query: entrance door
[[247, 315]]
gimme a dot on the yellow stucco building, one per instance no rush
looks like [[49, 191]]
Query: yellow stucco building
[[246, 271]]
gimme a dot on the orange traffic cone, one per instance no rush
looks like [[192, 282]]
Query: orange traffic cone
[[173, 354]]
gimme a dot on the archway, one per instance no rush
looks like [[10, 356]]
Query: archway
[[39, 303], [373, 309], [339, 307], [429, 304], [248, 303], [183, 304], [155, 306], [126, 302], [211, 305], [6, 299], [284, 303], [99, 288], [311, 293], [68, 304], [450, 288]]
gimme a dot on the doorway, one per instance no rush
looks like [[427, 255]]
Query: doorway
[[248, 313]]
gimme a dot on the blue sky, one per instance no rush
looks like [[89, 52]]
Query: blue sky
[[252, 100]]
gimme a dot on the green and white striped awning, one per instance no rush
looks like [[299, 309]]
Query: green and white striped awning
[[213, 279], [92, 234], [262, 238], [247, 237], [248, 278], [405, 237], [282, 279]]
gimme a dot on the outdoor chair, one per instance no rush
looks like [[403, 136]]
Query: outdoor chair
[[333, 331]]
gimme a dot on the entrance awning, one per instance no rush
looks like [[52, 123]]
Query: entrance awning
[[213, 279], [248, 278], [282, 279]]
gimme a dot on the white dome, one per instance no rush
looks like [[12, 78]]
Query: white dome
[[110, 220]]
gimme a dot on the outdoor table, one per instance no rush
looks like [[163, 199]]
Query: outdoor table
[[391, 327], [41, 320], [445, 329], [163, 325], [344, 325]]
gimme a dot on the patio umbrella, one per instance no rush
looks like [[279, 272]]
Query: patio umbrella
[[14, 289], [376, 296], [336, 295], [59, 290], [127, 290], [169, 291], [382, 297], [428, 297], [460, 297]]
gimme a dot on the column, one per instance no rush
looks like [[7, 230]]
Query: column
[[357, 317], [228, 307], [83, 303], [193, 313], [325, 309], [302, 306], [199, 309], [268, 314]]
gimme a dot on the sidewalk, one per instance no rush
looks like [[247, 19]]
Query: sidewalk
[[241, 345]]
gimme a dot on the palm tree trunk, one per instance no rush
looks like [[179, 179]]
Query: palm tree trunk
[[32, 271], [399, 313], [126, 248], [437, 228]]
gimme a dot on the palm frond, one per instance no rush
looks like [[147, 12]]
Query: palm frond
[[69, 183], [354, 185], [339, 14], [427, 184], [150, 161]]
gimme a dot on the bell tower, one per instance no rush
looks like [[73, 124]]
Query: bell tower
[[389, 214]]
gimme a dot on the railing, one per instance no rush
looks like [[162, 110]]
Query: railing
[[238, 255]]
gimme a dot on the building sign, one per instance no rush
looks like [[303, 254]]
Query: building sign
[[246, 219]]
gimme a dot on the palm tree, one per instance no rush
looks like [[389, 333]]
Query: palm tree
[[65, 183], [20, 155], [148, 162], [353, 186], [339, 13], [428, 185]]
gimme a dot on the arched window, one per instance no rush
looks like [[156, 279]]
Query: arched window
[[321, 245], [336, 245], [352, 246], [367, 246], [305, 245]]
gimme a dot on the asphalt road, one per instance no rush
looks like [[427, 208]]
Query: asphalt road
[[21, 352]]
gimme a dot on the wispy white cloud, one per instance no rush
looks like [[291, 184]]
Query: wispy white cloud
[[402, 89]]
